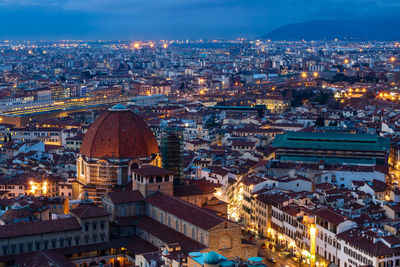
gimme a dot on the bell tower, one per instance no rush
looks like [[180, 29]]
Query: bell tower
[[150, 179]]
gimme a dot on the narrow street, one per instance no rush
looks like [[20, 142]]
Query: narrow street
[[282, 259]]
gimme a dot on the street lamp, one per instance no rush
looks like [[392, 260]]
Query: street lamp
[[123, 250]]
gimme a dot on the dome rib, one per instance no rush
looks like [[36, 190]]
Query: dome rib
[[121, 134], [95, 134]]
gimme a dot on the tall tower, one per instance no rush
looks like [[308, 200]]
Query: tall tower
[[172, 151]]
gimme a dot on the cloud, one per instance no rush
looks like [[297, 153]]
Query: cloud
[[177, 18]]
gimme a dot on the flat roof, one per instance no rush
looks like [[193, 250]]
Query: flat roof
[[332, 141], [329, 160]]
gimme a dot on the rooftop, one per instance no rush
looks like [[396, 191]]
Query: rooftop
[[333, 141]]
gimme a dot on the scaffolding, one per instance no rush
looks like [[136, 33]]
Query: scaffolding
[[172, 151]]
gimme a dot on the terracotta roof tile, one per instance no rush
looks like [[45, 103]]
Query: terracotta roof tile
[[188, 212], [85, 211], [120, 134], [119, 197], [34, 228]]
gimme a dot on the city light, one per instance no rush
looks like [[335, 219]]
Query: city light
[[33, 187], [312, 231], [224, 103], [218, 193], [44, 187]]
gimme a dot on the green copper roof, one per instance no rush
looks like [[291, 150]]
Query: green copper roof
[[328, 160], [211, 258], [332, 141]]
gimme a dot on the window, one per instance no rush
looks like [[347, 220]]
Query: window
[[94, 226], [82, 168], [158, 179], [21, 248], [193, 234], [29, 246], [53, 243], [77, 240], [45, 244], [184, 229], [5, 250], [87, 239], [166, 178], [86, 227], [102, 225]]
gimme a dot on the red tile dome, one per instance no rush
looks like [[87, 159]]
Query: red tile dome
[[119, 133]]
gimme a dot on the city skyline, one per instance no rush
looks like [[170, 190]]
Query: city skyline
[[122, 19], [200, 133]]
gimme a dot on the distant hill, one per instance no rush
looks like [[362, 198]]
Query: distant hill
[[357, 29]]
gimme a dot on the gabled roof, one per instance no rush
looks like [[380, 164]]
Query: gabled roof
[[330, 215], [85, 211], [168, 235], [119, 197], [37, 228], [185, 210], [377, 186]]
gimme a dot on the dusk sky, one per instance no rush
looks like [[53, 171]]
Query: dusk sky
[[158, 19]]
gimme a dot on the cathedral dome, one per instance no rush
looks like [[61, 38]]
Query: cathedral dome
[[119, 133]]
